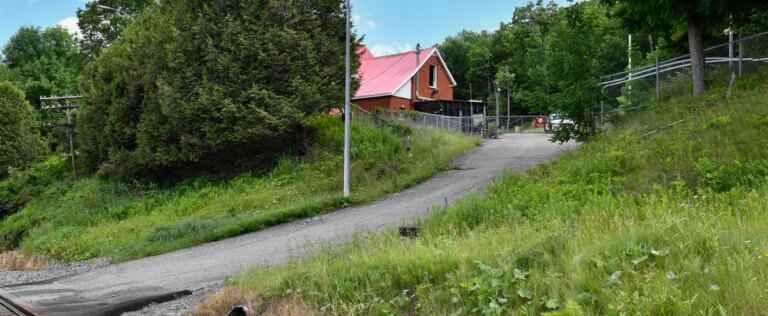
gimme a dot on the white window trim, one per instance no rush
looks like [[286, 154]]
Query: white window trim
[[434, 75]]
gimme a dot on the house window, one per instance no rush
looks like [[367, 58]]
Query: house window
[[433, 76]]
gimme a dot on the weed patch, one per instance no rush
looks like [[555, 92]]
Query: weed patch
[[95, 217]]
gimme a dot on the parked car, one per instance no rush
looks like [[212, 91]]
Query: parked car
[[557, 121]]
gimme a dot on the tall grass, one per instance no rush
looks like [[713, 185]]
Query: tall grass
[[92, 217], [671, 223]]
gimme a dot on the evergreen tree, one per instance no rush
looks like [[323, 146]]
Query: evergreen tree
[[208, 85]]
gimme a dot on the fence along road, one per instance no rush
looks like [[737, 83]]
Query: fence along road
[[645, 86], [470, 124], [718, 55]]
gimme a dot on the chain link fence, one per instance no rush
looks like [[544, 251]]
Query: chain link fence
[[478, 124], [645, 86]]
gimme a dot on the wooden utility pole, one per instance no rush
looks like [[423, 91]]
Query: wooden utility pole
[[68, 105]]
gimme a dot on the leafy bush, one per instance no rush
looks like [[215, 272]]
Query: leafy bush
[[20, 140], [209, 85], [21, 186]]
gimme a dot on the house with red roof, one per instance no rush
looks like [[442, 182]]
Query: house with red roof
[[401, 81]]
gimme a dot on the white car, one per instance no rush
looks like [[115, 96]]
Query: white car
[[556, 122]]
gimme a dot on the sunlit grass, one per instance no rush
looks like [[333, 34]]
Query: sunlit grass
[[668, 224], [94, 217]]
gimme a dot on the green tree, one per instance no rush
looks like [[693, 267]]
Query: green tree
[[505, 80], [455, 50], [5, 73], [43, 62], [24, 47], [20, 140], [195, 84], [661, 15], [481, 66], [102, 21]]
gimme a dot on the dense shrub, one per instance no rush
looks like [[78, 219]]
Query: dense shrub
[[22, 186], [20, 140], [206, 85]]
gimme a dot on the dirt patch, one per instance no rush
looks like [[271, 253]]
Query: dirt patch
[[223, 301], [19, 261]]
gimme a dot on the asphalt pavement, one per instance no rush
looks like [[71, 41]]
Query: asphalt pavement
[[132, 285]]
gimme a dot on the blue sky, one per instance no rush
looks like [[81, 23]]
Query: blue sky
[[389, 26], [17, 13], [396, 25]]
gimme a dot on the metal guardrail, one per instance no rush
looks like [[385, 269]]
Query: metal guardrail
[[684, 62], [672, 66], [643, 87]]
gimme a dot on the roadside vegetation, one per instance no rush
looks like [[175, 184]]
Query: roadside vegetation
[[671, 223], [97, 216], [19, 261]]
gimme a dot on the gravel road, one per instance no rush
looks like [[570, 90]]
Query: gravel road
[[133, 285], [56, 270]]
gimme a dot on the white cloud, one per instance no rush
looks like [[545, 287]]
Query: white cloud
[[363, 24], [389, 49], [70, 24]]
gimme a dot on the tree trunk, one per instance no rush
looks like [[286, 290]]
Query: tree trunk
[[696, 45]]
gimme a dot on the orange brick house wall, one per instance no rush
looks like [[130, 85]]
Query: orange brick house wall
[[392, 103], [444, 89]]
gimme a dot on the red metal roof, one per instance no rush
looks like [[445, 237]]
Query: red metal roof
[[383, 76]]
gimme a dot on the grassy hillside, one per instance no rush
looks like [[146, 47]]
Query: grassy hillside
[[671, 223], [92, 217]]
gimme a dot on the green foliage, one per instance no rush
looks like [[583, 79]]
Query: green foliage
[[660, 15], [5, 73], [94, 216], [43, 62], [195, 85], [20, 140], [700, 17], [558, 53], [102, 22], [555, 54], [23, 185], [671, 224]]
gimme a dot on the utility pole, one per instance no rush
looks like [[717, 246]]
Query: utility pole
[[347, 107], [67, 105]]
